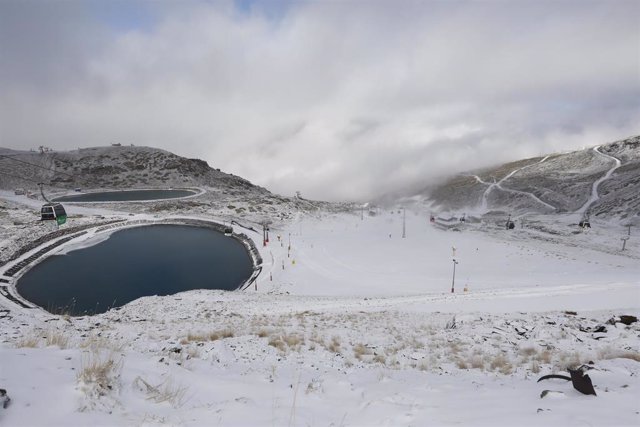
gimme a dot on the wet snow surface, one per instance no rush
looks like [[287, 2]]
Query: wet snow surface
[[354, 326]]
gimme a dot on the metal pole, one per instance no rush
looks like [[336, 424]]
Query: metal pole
[[404, 227], [453, 282], [264, 235]]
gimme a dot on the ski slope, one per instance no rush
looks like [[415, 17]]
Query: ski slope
[[498, 185], [595, 196]]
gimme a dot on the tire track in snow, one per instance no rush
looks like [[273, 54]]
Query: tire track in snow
[[498, 184], [594, 188]]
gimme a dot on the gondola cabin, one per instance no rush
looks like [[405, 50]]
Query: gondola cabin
[[53, 211], [228, 231], [510, 225]]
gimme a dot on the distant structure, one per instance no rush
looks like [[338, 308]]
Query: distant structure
[[510, 225], [404, 223], [585, 223]]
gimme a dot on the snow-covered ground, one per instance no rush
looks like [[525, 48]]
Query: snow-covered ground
[[355, 325]]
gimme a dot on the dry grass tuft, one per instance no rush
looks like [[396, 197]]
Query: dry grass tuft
[[54, 338], [501, 363], [27, 342], [477, 362], [461, 364], [380, 358], [284, 342], [360, 350], [191, 337], [50, 337], [99, 375], [294, 341], [225, 333], [528, 351], [163, 392], [278, 343], [334, 345], [204, 337]]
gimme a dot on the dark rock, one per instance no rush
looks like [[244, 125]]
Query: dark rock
[[627, 319], [581, 380]]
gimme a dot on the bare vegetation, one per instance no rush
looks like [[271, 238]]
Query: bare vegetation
[[47, 338], [99, 378], [166, 391]]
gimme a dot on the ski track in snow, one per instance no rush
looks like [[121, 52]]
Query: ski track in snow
[[594, 188], [498, 185]]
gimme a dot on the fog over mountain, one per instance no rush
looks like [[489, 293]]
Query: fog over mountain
[[340, 100]]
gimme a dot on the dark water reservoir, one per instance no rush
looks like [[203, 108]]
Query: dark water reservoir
[[126, 196], [137, 262]]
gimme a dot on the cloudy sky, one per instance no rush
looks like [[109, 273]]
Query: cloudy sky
[[340, 99]]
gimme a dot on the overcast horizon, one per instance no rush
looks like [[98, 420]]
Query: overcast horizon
[[336, 99]]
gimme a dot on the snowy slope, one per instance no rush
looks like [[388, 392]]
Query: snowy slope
[[359, 328], [559, 183]]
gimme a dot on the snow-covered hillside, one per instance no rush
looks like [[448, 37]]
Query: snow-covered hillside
[[115, 167], [603, 181]]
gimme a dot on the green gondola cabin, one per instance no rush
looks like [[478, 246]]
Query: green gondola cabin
[[53, 211]]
